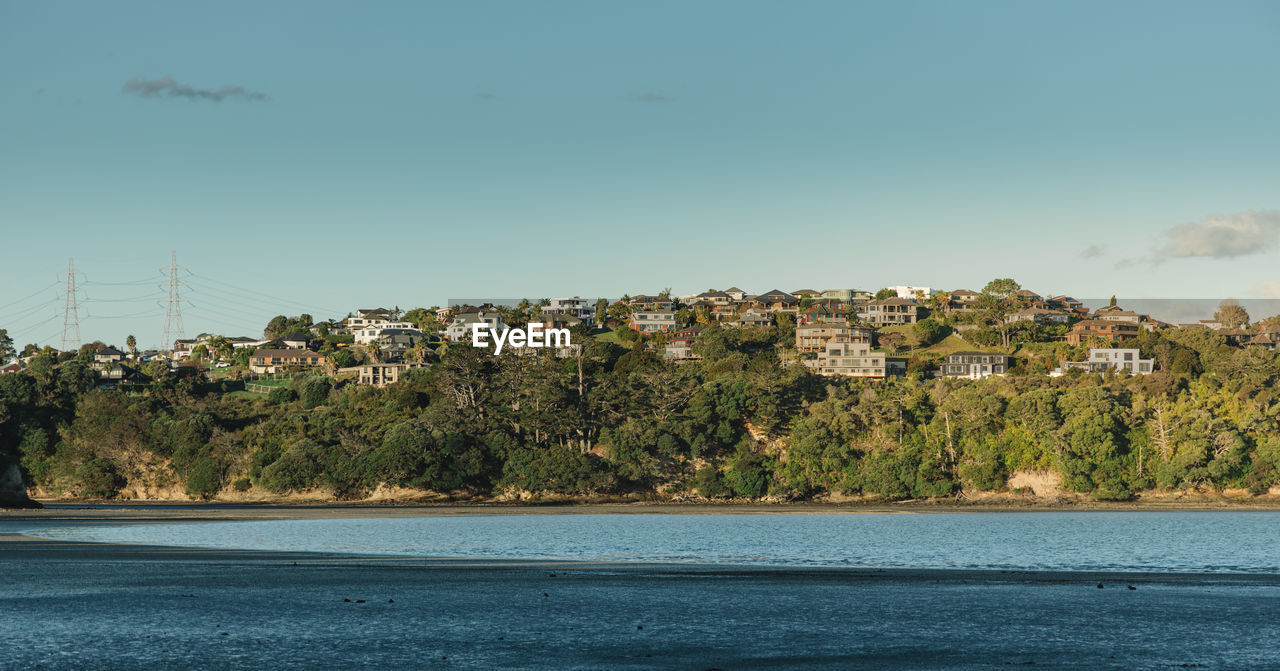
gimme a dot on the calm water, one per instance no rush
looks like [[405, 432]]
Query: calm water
[[1214, 542]]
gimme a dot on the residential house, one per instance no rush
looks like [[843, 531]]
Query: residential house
[[1235, 337], [1028, 296], [276, 360], [962, 300], [735, 293], [847, 295], [382, 374], [849, 359], [1266, 339], [371, 317], [1065, 303], [806, 293], [295, 340], [752, 317], [460, 329], [1102, 359], [643, 302], [892, 311], [974, 365], [814, 336], [827, 312], [242, 342], [1038, 315], [108, 355], [680, 346], [1115, 314], [911, 293], [579, 308], [652, 321], [182, 348], [1113, 331], [776, 301], [372, 330]]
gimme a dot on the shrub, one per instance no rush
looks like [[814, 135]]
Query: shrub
[[206, 477], [99, 479], [281, 395]]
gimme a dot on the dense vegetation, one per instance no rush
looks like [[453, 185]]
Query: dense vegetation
[[619, 420]]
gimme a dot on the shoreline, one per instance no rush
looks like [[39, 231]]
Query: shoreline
[[177, 510]]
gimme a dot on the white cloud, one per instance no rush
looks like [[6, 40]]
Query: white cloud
[[1224, 236]]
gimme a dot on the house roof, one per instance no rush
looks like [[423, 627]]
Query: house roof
[[294, 337], [109, 351], [735, 290], [776, 295], [805, 292], [1103, 322], [712, 294], [964, 292], [1026, 293]]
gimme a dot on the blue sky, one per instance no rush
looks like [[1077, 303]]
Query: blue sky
[[407, 153]]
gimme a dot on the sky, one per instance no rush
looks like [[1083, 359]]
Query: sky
[[326, 156]]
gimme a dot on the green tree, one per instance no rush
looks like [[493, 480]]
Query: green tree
[[132, 343]]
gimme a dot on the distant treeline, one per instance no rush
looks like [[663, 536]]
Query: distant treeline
[[619, 420]]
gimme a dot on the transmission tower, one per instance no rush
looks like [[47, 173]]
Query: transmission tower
[[173, 308], [71, 311]]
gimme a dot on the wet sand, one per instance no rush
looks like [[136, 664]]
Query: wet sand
[[100, 606]]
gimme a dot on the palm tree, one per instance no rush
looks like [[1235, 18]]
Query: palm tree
[[132, 343]]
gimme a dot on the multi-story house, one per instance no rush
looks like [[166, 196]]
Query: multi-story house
[[752, 317], [652, 321], [849, 359], [827, 312], [1102, 359], [460, 329], [1038, 315], [370, 317], [383, 374], [680, 346], [643, 302], [974, 365], [276, 360], [735, 293], [911, 293], [847, 295], [1112, 331], [776, 301], [814, 336], [892, 311], [580, 308], [964, 299]]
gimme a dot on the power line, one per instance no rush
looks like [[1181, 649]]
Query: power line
[[275, 299], [26, 298]]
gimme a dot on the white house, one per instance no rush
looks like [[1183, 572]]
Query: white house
[[460, 329], [911, 293], [1121, 359], [372, 330], [580, 308]]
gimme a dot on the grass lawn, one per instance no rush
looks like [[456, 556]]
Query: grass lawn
[[608, 335]]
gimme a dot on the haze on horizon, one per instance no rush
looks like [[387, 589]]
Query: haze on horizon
[[335, 157]]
